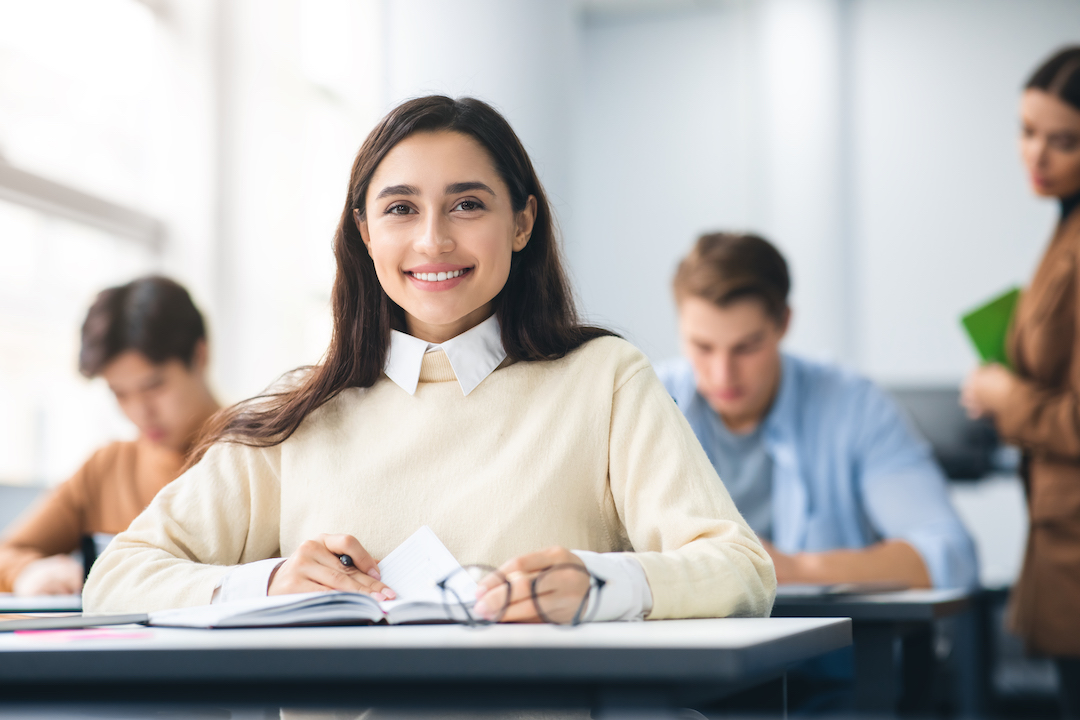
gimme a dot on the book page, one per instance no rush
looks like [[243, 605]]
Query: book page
[[416, 565]]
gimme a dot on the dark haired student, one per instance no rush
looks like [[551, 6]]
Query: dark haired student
[[459, 392], [818, 459], [148, 341], [1037, 407]]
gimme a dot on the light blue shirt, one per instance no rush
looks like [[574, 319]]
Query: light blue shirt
[[847, 469], [743, 461]]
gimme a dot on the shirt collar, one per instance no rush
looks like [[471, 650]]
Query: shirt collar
[[474, 354], [779, 422]]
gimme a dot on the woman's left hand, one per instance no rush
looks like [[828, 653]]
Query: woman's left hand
[[521, 571], [986, 390]]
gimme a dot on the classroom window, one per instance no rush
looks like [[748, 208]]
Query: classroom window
[[75, 179]]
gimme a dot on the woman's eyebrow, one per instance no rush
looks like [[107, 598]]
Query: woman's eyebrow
[[455, 188], [397, 190]]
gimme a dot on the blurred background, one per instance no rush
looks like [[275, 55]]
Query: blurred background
[[874, 141]]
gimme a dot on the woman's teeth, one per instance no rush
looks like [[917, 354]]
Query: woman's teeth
[[438, 277]]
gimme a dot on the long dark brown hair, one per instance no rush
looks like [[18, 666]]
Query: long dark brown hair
[[1059, 75], [535, 308]]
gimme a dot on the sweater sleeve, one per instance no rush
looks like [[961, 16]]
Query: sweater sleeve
[[700, 557], [56, 524], [223, 512], [1042, 419], [1039, 417]]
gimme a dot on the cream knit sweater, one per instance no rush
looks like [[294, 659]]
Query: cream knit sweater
[[588, 452]]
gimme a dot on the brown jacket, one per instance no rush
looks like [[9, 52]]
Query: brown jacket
[[1042, 416], [104, 496]]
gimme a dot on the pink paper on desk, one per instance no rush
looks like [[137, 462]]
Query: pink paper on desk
[[90, 634]]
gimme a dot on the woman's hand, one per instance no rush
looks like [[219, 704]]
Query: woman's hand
[[986, 390], [55, 575], [563, 594], [315, 567]]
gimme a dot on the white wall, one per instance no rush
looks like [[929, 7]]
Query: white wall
[[872, 140], [725, 116], [297, 87], [519, 55], [944, 216], [802, 48], [660, 155]]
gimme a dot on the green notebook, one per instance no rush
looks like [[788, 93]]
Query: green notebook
[[988, 326]]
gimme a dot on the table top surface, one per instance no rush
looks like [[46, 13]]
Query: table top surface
[[729, 649], [902, 606]]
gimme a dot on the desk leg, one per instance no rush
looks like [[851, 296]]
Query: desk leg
[[876, 671], [920, 671], [783, 698], [629, 703]]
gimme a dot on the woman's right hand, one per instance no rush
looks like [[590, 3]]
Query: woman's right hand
[[316, 567]]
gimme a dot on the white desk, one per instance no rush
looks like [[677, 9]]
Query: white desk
[[603, 665], [10, 603]]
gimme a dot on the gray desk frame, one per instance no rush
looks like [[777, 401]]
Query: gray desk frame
[[607, 666], [879, 622]]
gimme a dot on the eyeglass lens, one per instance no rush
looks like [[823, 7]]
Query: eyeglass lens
[[459, 595], [561, 595]]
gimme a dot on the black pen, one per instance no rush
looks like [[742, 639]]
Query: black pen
[[347, 561]]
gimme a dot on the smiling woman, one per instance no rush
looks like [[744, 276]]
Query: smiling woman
[[459, 392]]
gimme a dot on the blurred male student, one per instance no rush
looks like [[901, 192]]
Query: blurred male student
[[148, 341], [817, 459]]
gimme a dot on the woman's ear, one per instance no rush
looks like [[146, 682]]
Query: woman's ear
[[361, 225], [524, 224]]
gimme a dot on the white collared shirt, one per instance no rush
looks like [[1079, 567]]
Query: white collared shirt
[[474, 355]]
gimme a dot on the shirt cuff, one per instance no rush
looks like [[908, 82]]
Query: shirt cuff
[[245, 582], [626, 594]]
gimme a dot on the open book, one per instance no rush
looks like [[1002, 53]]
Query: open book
[[412, 570]]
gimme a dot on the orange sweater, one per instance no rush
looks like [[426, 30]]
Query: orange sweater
[[104, 496]]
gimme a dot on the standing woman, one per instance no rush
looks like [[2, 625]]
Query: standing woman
[[459, 392], [1038, 407]]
